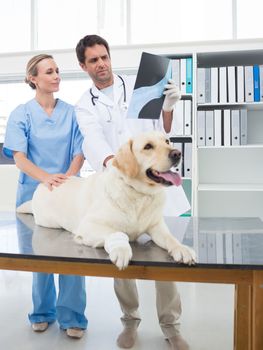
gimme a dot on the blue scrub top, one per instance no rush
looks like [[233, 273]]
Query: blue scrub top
[[50, 142]]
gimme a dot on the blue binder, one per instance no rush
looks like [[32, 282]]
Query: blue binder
[[189, 76], [256, 83]]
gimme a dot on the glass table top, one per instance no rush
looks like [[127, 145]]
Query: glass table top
[[227, 242]]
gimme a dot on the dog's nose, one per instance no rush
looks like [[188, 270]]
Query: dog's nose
[[175, 156]]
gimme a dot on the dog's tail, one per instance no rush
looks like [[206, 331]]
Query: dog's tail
[[25, 208]]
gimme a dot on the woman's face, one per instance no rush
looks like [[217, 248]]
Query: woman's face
[[47, 79]]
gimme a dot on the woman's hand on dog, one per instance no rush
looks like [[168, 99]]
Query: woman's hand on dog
[[56, 180]]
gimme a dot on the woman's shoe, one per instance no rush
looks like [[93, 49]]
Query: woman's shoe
[[39, 326], [75, 332]]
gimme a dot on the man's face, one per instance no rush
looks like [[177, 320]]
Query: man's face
[[98, 65]]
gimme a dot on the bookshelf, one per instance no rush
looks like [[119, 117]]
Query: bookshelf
[[226, 179], [182, 136]]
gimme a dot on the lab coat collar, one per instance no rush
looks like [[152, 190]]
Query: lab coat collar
[[117, 88], [117, 92], [102, 98]]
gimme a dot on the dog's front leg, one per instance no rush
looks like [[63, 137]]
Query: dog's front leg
[[119, 250], [161, 235]]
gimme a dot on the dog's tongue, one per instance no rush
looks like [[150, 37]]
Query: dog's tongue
[[172, 177]]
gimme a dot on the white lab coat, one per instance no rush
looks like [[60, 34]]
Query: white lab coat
[[104, 125], [105, 128]]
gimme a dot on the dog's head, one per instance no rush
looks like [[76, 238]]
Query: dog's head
[[149, 158]]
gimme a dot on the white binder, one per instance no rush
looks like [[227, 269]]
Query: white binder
[[200, 128], [235, 127], [237, 249], [222, 85], [209, 128], [187, 117], [240, 84], [243, 126], [219, 248], [201, 85], [178, 168], [218, 127], [231, 83], [207, 85], [249, 84], [261, 81], [229, 247], [214, 85], [176, 71], [178, 119], [183, 75], [202, 247], [188, 159], [227, 127], [211, 248]]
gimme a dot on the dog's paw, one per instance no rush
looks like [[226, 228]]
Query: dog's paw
[[121, 256], [183, 254]]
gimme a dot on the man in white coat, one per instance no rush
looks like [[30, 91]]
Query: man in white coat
[[101, 114]]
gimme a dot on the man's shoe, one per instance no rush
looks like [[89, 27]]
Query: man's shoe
[[127, 338], [75, 332], [177, 342], [39, 326]]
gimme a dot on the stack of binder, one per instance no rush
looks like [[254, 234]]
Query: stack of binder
[[182, 74], [182, 118], [185, 166], [224, 127], [232, 84]]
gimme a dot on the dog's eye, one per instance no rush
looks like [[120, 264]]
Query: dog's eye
[[167, 141], [148, 146]]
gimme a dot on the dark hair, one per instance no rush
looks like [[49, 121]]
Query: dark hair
[[89, 41], [31, 68]]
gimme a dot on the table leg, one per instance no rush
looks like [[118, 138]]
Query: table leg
[[242, 322], [257, 310]]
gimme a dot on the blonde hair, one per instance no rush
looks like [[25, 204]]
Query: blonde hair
[[31, 68]]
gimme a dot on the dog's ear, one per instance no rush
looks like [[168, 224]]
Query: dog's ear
[[125, 160]]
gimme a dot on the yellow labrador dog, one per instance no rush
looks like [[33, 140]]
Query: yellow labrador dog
[[111, 208]]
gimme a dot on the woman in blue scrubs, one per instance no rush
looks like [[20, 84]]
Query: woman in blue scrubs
[[43, 137]]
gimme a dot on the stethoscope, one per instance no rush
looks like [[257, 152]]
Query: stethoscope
[[94, 97]]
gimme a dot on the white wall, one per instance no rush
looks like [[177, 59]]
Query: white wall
[[123, 57], [8, 184]]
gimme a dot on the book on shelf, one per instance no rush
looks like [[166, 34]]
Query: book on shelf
[[178, 119], [249, 84], [235, 127], [187, 117], [256, 83], [183, 76], [209, 128], [240, 84], [214, 85], [222, 85], [231, 83], [189, 75], [200, 128], [227, 127], [218, 127]]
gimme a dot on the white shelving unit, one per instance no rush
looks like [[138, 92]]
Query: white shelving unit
[[227, 180], [187, 180]]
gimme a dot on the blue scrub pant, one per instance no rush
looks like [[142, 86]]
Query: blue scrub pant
[[70, 305]]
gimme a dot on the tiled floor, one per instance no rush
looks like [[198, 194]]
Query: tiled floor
[[207, 319]]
